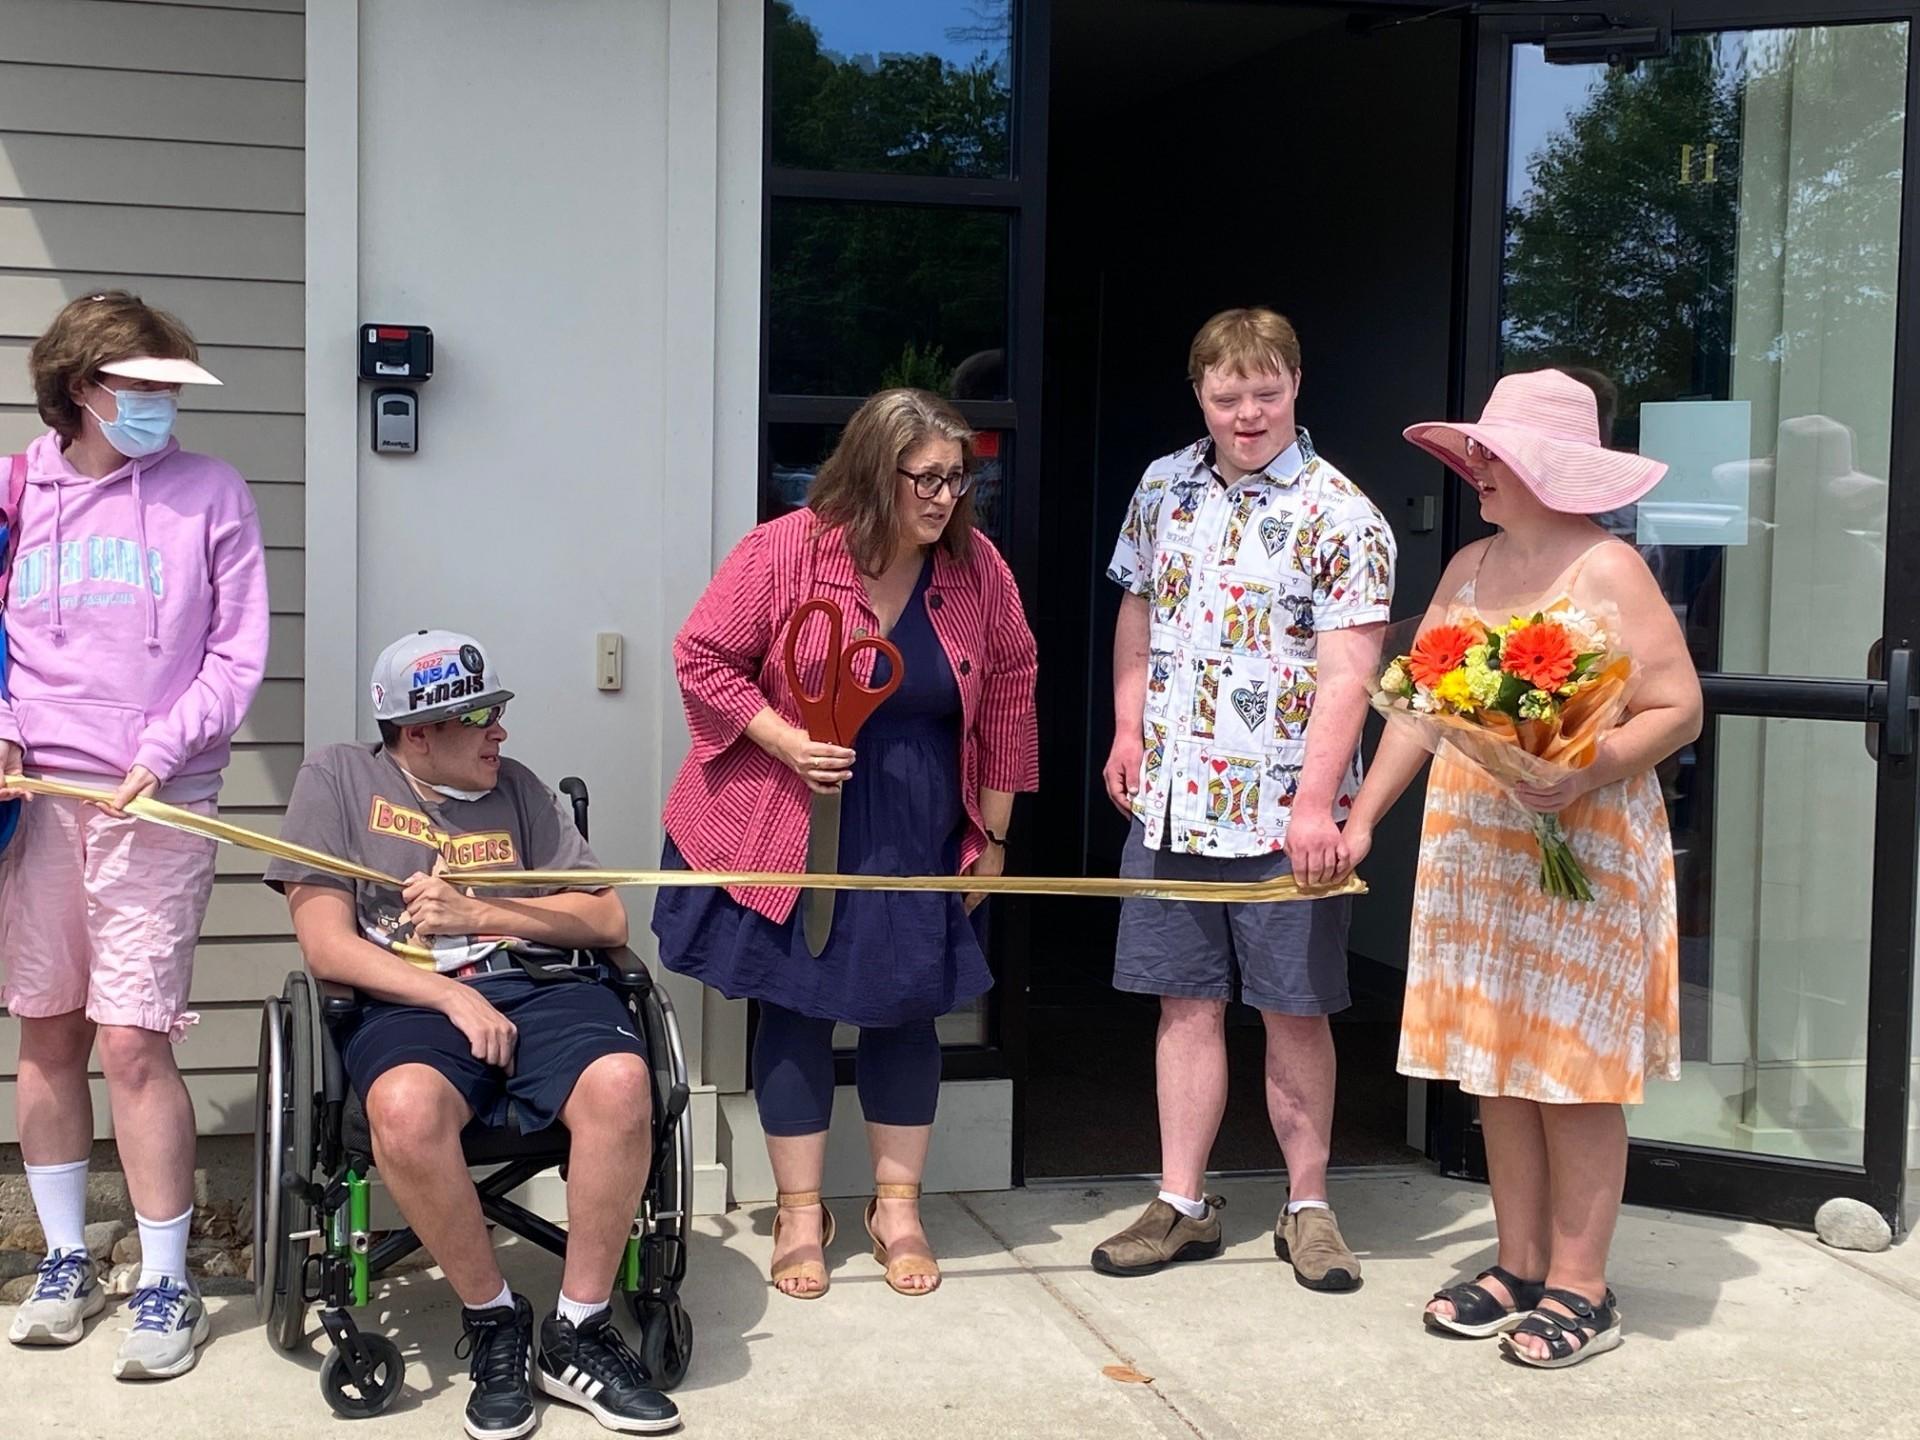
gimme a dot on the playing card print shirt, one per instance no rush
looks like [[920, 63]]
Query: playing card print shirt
[[1240, 580]]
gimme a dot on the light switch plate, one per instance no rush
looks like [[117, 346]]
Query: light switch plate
[[607, 658]]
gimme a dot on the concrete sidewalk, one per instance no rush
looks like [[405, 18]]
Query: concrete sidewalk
[[1733, 1330]]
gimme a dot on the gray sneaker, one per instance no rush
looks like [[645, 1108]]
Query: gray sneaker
[[68, 1294], [169, 1327]]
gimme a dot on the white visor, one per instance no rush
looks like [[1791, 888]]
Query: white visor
[[166, 372]]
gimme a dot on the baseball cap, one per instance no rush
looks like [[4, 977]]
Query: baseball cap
[[434, 675]]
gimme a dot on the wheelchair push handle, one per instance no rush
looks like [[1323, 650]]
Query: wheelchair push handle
[[575, 789]]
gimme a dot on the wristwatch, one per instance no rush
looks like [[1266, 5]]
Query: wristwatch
[[999, 840]]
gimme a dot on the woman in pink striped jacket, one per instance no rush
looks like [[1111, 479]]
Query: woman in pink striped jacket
[[888, 533]]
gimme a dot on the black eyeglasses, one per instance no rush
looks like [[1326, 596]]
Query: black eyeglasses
[[926, 486]]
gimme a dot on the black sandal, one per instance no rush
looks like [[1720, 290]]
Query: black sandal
[[1596, 1327], [1476, 1314]]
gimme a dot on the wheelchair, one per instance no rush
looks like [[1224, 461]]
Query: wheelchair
[[313, 1155]]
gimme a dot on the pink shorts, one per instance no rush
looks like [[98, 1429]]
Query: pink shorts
[[102, 914]]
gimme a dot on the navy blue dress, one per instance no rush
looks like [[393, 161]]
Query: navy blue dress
[[892, 958]]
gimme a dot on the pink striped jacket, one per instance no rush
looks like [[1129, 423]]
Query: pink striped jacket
[[735, 807]]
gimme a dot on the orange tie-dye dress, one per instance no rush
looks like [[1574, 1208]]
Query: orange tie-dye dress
[[1512, 992]]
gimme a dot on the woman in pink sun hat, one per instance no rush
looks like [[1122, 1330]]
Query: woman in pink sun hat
[[136, 627], [1551, 1011]]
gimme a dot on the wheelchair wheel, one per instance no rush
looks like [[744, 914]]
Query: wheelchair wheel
[[666, 1340], [283, 1146], [345, 1397]]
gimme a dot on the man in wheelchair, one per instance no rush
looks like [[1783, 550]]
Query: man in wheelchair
[[478, 1010]]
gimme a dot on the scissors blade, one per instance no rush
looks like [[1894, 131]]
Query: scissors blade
[[823, 858]]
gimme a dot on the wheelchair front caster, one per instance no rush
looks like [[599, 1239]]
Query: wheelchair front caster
[[666, 1340], [349, 1398]]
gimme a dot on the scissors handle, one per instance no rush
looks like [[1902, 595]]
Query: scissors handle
[[854, 702], [816, 706]]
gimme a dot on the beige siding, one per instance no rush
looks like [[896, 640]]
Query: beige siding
[[157, 145]]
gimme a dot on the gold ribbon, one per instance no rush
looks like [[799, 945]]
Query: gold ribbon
[[1218, 891]]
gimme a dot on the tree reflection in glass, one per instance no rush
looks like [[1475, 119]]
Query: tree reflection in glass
[[921, 89], [866, 296]]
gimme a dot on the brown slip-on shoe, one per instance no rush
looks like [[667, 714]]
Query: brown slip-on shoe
[[1310, 1241], [1161, 1237]]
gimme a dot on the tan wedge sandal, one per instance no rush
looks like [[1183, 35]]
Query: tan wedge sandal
[[907, 1266], [803, 1270]]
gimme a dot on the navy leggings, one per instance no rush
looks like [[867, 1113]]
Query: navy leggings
[[897, 1070]]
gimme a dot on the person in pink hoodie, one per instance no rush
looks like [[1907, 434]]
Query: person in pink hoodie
[[136, 625]]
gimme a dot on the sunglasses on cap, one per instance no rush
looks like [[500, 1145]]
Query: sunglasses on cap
[[481, 719]]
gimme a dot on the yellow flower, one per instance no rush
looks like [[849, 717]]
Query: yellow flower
[[1482, 679], [1455, 691]]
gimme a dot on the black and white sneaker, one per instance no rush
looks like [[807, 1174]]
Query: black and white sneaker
[[499, 1345], [592, 1367]]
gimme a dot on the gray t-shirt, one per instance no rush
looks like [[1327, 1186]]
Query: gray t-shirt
[[353, 802]]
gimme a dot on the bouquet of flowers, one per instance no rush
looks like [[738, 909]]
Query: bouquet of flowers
[[1527, 701]]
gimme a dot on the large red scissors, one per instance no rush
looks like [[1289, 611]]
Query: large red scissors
[[833, 714]]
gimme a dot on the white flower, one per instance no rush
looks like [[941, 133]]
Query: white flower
[[1587, 632]]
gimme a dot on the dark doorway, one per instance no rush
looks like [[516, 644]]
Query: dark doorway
[[1203, 155]]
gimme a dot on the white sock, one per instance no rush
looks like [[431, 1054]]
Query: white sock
[[163, 1249], [1192, 1209], [1294, 1207], [60, 1199], [504, 1300], [578, 1313]]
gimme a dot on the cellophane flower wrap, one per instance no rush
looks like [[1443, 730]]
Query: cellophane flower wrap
[[1527, 701]]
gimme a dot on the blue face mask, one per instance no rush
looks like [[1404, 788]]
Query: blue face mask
[[142, 423]]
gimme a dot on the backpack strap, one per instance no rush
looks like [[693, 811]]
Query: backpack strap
[[16, 492]]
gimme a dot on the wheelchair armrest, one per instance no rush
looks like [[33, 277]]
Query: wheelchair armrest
[[626, 971], [337, 1002]]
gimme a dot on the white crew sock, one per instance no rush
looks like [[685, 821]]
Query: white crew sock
[[60, 1199], [504, 1300], [1192, 1209], [1294, 1207], [577, 1313], [163, 1249]]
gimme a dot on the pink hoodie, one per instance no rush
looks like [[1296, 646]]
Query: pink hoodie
[[145, 643]]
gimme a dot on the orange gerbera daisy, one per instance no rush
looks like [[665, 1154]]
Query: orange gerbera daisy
[[1541, 654], [1438, 651]]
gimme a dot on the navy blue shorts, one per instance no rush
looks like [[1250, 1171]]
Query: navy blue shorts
[[1290, 959], [563, 1028]]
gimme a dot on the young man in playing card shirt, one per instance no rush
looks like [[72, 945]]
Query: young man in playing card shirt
[[1258, 583]]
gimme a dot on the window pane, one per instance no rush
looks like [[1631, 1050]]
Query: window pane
[[918, 89], [868, 296], [794, 454], [795, 451], [1773, 840], [1718, 231]]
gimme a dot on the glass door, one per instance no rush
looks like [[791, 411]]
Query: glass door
[[904, 199], [1706, 217]]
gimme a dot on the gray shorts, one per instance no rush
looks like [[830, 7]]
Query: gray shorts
[[1289, 958]]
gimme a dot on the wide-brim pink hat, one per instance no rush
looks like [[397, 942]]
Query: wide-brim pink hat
[[1546, 425]]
